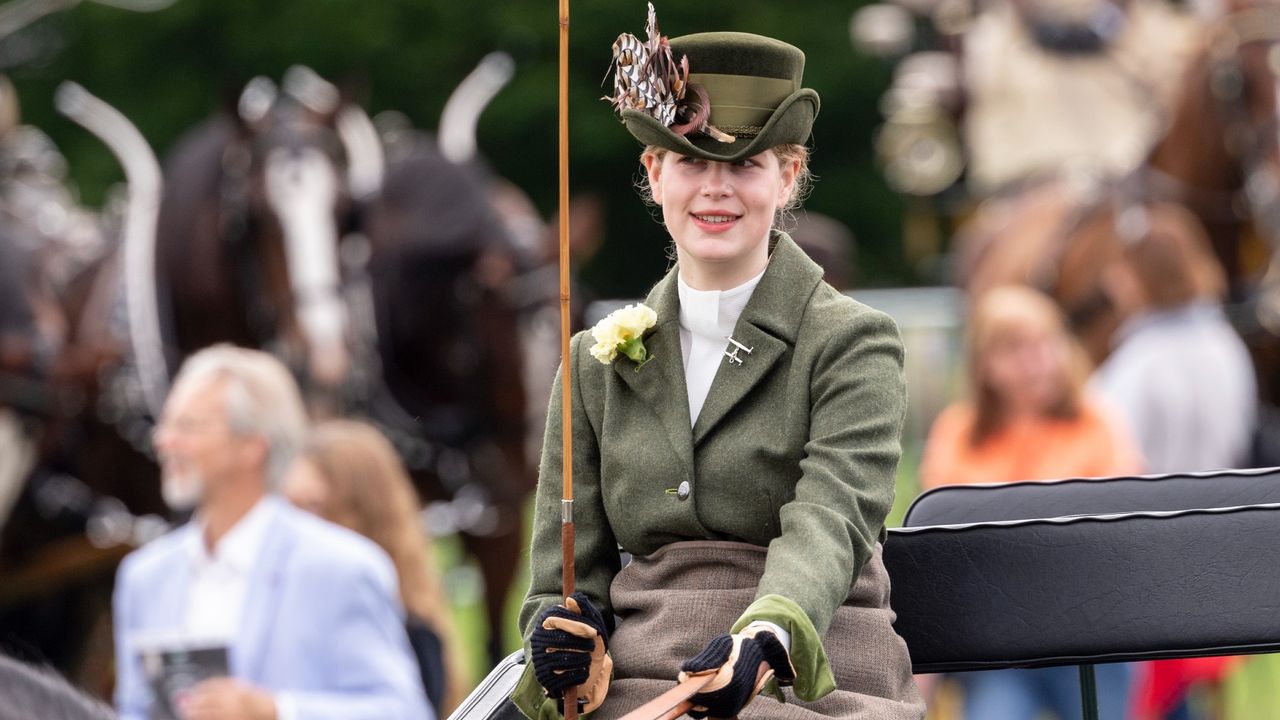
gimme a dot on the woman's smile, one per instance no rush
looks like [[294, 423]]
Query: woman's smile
[[713, 222]]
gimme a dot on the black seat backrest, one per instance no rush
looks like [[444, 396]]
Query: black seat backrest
[[958, 504], [1088, 589]]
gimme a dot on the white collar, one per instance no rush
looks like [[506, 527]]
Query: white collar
[[242, 544], [713, 313]]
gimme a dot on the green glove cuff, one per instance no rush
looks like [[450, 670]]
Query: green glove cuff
[[813, 672]]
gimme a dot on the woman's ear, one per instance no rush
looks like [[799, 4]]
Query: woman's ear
[[789, 170], [653, 168]]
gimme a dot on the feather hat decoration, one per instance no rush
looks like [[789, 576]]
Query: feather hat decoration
[[731, 95], [647, 78]]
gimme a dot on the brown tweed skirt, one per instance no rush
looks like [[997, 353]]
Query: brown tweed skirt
[[671, 603]]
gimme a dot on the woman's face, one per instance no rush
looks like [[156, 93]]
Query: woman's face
[[1027, 368], [720, 214], [306, 487]]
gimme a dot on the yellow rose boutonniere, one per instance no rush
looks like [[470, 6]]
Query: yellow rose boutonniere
[[622, 331]]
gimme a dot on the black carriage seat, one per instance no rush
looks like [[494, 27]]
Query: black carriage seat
[[959, 504], [1088, 589], [1075, 497]]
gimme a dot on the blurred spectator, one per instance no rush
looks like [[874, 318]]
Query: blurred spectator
[[282, 614], [1182, 379], [1180, 376], [1060, 84], [348, 473], [30, 692], [1028, 420]]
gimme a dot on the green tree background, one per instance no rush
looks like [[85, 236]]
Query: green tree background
[[167, 70]]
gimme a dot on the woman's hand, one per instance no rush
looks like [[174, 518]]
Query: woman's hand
[[570, 644], [735, 660]]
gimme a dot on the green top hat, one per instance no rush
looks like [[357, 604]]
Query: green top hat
[[753, 86]]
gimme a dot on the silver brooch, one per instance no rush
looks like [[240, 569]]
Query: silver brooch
[[733, 354]]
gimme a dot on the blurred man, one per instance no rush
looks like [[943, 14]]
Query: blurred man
[[253, 609]]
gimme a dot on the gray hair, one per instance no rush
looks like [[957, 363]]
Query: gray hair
[[34, 692], [262, 399]]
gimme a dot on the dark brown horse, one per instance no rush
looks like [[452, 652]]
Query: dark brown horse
[[449, 344], [387, 295], [1219, 157], [248, 231]]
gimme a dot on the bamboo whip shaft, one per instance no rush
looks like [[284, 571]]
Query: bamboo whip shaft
[[566, 362], [567, 415]]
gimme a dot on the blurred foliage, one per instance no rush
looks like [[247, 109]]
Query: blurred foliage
[[167, 70]]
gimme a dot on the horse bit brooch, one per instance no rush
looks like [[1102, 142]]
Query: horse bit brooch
[[733, 355]]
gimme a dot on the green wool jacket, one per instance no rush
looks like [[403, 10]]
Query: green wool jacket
[[795, 450]]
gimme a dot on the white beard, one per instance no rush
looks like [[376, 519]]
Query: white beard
[[182, 491]]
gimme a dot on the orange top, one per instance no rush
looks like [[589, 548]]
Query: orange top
[[1091, 445]]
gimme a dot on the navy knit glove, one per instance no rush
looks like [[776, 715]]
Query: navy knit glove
[[569, 644], [735, 660]]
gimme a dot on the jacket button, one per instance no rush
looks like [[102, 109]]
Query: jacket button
[[683, 491]]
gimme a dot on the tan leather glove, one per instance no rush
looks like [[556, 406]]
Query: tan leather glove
[[570, 648], [736, 661]]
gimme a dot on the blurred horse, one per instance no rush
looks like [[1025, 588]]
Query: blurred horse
[[384, 286], [248, 230], [1219, 156], [66, 473], [449, 344]]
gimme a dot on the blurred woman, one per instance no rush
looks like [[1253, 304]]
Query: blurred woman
[[349, 474], [1028, 420]]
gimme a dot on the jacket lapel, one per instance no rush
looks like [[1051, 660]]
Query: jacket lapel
[[660, 381], [768, 326], [263, 600]]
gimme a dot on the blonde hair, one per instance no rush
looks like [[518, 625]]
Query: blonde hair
[[997, 314], [262, 399], [370, 493], [789, 152]]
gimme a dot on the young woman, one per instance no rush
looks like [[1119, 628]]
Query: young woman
[[738, 434], [348, 473]]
